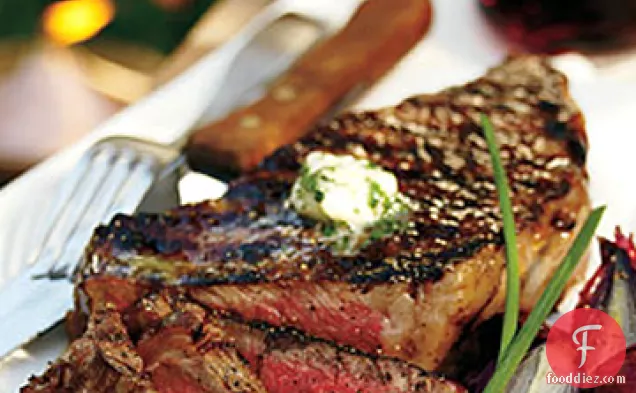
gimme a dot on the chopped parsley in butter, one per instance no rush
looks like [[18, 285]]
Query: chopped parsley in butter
[[354, 199]]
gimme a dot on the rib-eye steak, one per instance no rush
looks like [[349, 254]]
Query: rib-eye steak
[[410, 293], [166, 344]]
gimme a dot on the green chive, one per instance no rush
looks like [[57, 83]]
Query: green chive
[[329, 229], [518, 348], [511, 314], [375, 194]]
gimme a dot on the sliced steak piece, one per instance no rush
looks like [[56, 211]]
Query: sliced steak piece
[[406, 295], [165, 343], [103, 360]]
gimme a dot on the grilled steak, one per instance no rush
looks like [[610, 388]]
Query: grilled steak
[[164, 343], [406, 295]]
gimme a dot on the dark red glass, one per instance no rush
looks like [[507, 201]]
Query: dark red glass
[[553, 26]]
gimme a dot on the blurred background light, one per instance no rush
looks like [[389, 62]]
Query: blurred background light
[[72, 21]]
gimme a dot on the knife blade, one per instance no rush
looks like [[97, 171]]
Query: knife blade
[[328, 79]]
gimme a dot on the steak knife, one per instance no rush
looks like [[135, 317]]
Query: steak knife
[[376, 37]]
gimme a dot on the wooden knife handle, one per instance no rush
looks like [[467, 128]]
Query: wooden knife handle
[[376, 37]]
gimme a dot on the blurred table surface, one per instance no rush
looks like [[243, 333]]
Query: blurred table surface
[[44, 105]]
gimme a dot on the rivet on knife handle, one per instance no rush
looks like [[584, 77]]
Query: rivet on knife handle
[[376, 37]]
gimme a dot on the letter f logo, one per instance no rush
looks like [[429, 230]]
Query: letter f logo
[[583, 344]]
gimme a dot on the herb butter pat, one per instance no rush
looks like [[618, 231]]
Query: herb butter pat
[[348, 194]]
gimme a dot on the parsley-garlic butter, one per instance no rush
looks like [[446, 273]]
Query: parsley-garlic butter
[[348, 194]]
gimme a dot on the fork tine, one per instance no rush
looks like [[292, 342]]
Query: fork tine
[[137, 185], [75, 206], [118, 172], [58, 203]]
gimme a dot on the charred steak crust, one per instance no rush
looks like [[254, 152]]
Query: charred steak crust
[[165, 343], [407, 295], [102, 360], [434, 145]]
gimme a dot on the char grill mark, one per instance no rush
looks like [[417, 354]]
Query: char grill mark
[[410, 294], [433, 144], [165, 343]]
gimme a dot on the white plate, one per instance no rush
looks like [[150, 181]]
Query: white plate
[[459, 47]]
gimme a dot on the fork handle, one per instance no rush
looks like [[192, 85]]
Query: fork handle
[[376, 37]]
